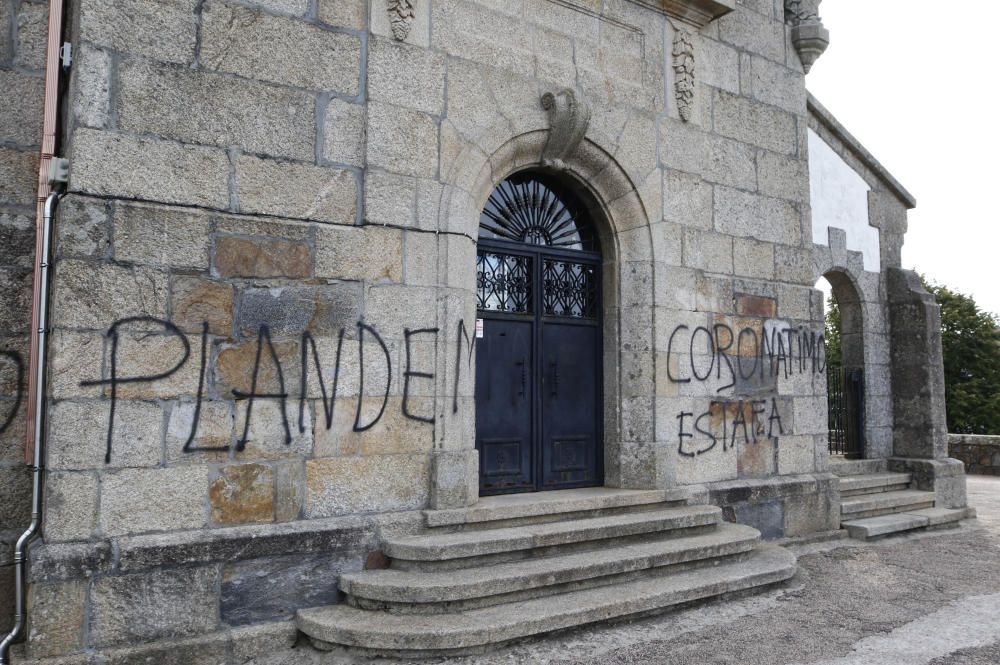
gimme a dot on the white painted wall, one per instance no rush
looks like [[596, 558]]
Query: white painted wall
[[839, 198]]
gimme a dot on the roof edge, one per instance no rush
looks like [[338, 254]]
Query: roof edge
[[828, 120]]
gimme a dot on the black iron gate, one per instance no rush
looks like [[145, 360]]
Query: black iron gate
[[846, 411]]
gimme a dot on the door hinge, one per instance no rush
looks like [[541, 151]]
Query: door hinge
[[66, 55]]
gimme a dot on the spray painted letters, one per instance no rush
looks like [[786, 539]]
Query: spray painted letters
[[310, 360]]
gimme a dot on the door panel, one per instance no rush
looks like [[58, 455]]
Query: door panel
[[505, 380], [570, 406], [538, 373]]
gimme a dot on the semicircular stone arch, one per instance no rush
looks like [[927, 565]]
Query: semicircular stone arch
[[623, 228], [865, 333]]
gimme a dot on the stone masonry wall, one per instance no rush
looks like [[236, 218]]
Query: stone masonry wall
[[275, 203], [887, 210], [23, 34], [980, 454]]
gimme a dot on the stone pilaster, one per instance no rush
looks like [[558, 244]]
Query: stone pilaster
[[917, 369]]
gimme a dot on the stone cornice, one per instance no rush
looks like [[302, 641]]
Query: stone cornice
[[697, 13]]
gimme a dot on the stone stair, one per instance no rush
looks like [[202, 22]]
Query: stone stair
[[875, 503], [512, 567]]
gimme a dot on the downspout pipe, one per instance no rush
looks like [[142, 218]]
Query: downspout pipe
[[33, 449], [21, 549]]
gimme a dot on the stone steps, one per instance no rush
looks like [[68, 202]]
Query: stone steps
[[515, 566], [843, 467], [410, 635], [873, 483], [540, 507], [876, 505], [443, 551], [885, 525], [404, 591], [884, 503]]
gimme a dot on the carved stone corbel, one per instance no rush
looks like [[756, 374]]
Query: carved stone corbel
[[401, 15], [809, 36], [569, 117], [684, 81]]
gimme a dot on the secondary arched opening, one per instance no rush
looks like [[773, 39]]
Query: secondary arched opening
[[845, 365]]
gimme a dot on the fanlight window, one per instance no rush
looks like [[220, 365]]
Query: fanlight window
[[533, 209]]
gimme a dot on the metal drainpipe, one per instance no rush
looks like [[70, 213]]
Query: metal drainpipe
[[39, 323], [21, 549]]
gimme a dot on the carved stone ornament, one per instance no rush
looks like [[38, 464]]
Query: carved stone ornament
[[809, 36], [401, 15], [569, 116], [684, 83]]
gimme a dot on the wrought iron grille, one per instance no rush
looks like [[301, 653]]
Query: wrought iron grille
[[569, 289], [845, 411], [536, 210], [503, 282]]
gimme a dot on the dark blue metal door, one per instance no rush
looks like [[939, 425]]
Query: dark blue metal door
[[538, 360], [538, 372], [570, 406], [505, 393]]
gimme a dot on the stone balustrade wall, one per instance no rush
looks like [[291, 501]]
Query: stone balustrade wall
[[980, 454]]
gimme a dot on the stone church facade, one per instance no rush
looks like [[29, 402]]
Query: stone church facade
[[330, 277]]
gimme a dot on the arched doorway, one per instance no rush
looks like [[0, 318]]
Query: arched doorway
[[539, 346], [845, 367]]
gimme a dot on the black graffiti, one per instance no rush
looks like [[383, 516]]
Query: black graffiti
[[362, 328], [264, 335], [783, 352], [188, 448], [308, 350], [116, 380], [328, 403], [463, 335], [741, 426], [409, 374], [14, 358]]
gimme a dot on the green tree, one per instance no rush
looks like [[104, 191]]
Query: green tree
[[970, 339], [831, 335]]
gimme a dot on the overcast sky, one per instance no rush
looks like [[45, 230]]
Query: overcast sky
[[918, 87]]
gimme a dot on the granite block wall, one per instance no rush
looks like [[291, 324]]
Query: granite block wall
[[980, 454], [265, 284]]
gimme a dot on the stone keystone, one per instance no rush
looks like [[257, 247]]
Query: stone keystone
[[569, 117]]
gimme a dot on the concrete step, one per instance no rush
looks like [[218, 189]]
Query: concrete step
[[883, 525], [884, 503], [409, 635], [417, 592], [443, 551], [886, 525], [845, 467], [539, 507], [944, 516], [873, 483]]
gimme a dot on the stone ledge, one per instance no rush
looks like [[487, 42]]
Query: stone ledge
[[67, 561], [697, 13], [59, 561], [992, 440], [945, 477], [237, 645], [756, 489]]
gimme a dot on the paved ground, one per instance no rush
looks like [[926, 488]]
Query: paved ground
[[932, 599]]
